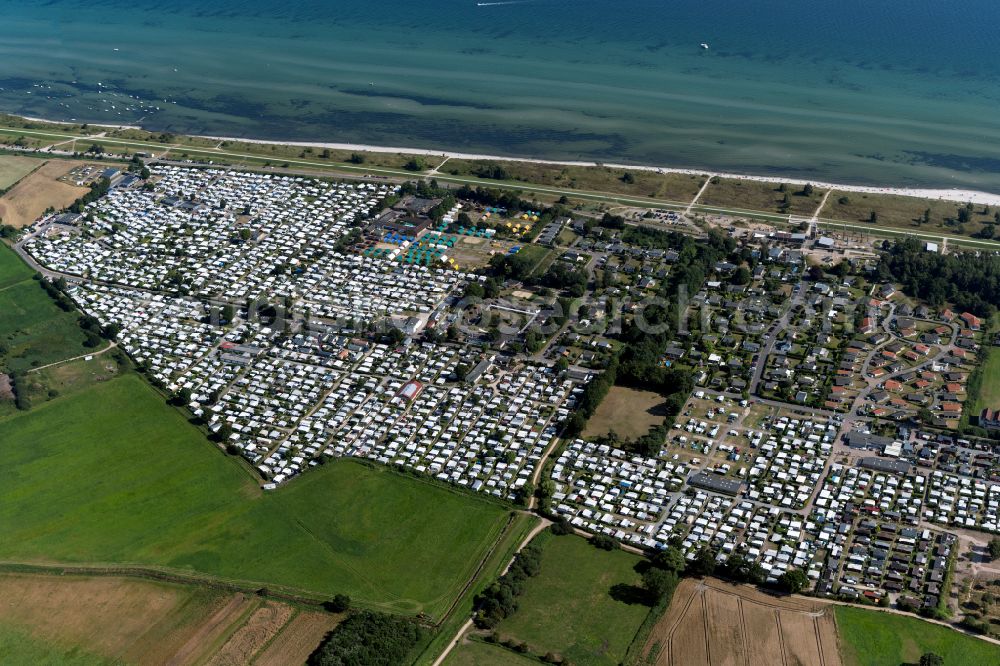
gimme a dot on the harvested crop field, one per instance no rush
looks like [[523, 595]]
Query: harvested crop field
[[125, 620], [717, 624], [627, 412], [262, 625], [298, 639], [32, 196]]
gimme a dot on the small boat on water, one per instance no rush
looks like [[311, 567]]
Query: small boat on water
[[704, 45]]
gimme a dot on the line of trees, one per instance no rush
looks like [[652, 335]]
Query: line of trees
[[55, 290], [98, 189], [20, 391], [499, 600]]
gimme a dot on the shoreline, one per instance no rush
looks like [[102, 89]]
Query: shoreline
[[941, 194], [953, 194]]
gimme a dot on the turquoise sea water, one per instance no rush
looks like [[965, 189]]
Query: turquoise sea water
[[878, 92]]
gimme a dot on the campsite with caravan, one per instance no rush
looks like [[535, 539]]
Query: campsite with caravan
[[304, 413]]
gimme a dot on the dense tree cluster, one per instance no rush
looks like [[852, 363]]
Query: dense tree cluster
[[661, 578], [18, 388], [493, 171], [512, 266], [98, 189], [55, 291], [969, 280], [490, 197], [610, 221], [440, 210], [562, 276], [793, 581], [499, 600], [368, 639], [593, 393], [994, 549], [604, 542], [648, 237], [741, 570]]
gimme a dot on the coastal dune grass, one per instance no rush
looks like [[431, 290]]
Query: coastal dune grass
[[111, 475], [761, 196], [903, 212], [678, 187]]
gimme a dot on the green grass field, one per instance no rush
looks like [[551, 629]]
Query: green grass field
[[18, 647], [33, 331], [15, 167], [112, 475], [989, 388], [476, 653], [568, 608], [512, 539], [870, 638], [12, 269]]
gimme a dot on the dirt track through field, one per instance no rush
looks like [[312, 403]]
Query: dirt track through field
[[712, 623]]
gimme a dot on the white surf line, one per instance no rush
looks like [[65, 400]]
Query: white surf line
[[708, 181]]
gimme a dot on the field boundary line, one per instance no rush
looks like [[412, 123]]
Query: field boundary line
[[705, 624], [781, 637], [743, 626], [479, 569], [819, 641], [280, 593]]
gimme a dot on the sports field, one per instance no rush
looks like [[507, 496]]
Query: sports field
[[112, 475], [33, 330], [870, 638], [582, 605], [15, 167]]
